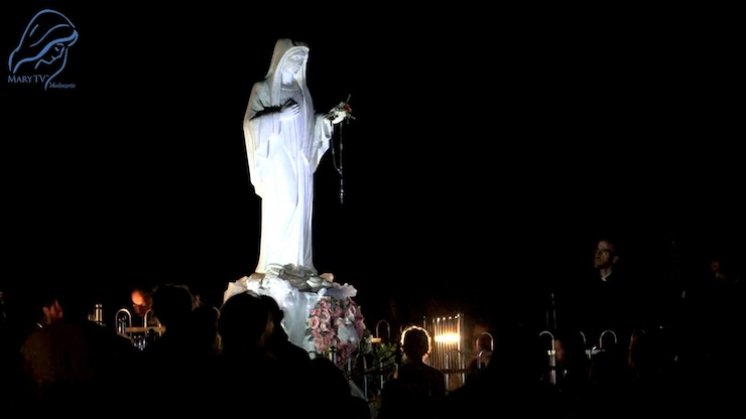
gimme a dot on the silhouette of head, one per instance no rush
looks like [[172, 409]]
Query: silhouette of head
[[244, 322], [173, 304], [416, 343], [45, 42]]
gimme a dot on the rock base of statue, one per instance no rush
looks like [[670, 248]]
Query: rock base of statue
[[320, 315]]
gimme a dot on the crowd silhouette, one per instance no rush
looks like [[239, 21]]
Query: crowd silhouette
[[611, 348]]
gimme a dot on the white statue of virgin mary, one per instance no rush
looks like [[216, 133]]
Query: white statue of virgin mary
[[285, 140]]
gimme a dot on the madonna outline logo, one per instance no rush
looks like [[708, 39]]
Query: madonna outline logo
[[41, 54]]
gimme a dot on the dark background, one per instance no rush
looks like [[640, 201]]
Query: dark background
[[489, 151]]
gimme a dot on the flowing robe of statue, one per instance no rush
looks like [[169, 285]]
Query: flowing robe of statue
[[285, 140]]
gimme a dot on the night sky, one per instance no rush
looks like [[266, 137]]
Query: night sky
[[484, 153]]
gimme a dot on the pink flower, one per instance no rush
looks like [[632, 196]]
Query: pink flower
[[325, 316], [314, 322], [318, 342], [325, 322]]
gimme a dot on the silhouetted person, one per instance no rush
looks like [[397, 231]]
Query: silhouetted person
[[716, 316], [482, 355], [331, 386], [178, 366], [73, 363], [612, 301], [278, 344], [141, 300], [247, 370], [419, 389], [510, 386]]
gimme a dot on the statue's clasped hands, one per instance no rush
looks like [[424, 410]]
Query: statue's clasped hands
[[289, 110]]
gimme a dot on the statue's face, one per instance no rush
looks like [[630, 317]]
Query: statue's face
[[294, 62]]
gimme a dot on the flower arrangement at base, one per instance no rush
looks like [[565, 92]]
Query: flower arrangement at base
[[383, 354], [336, 323]]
